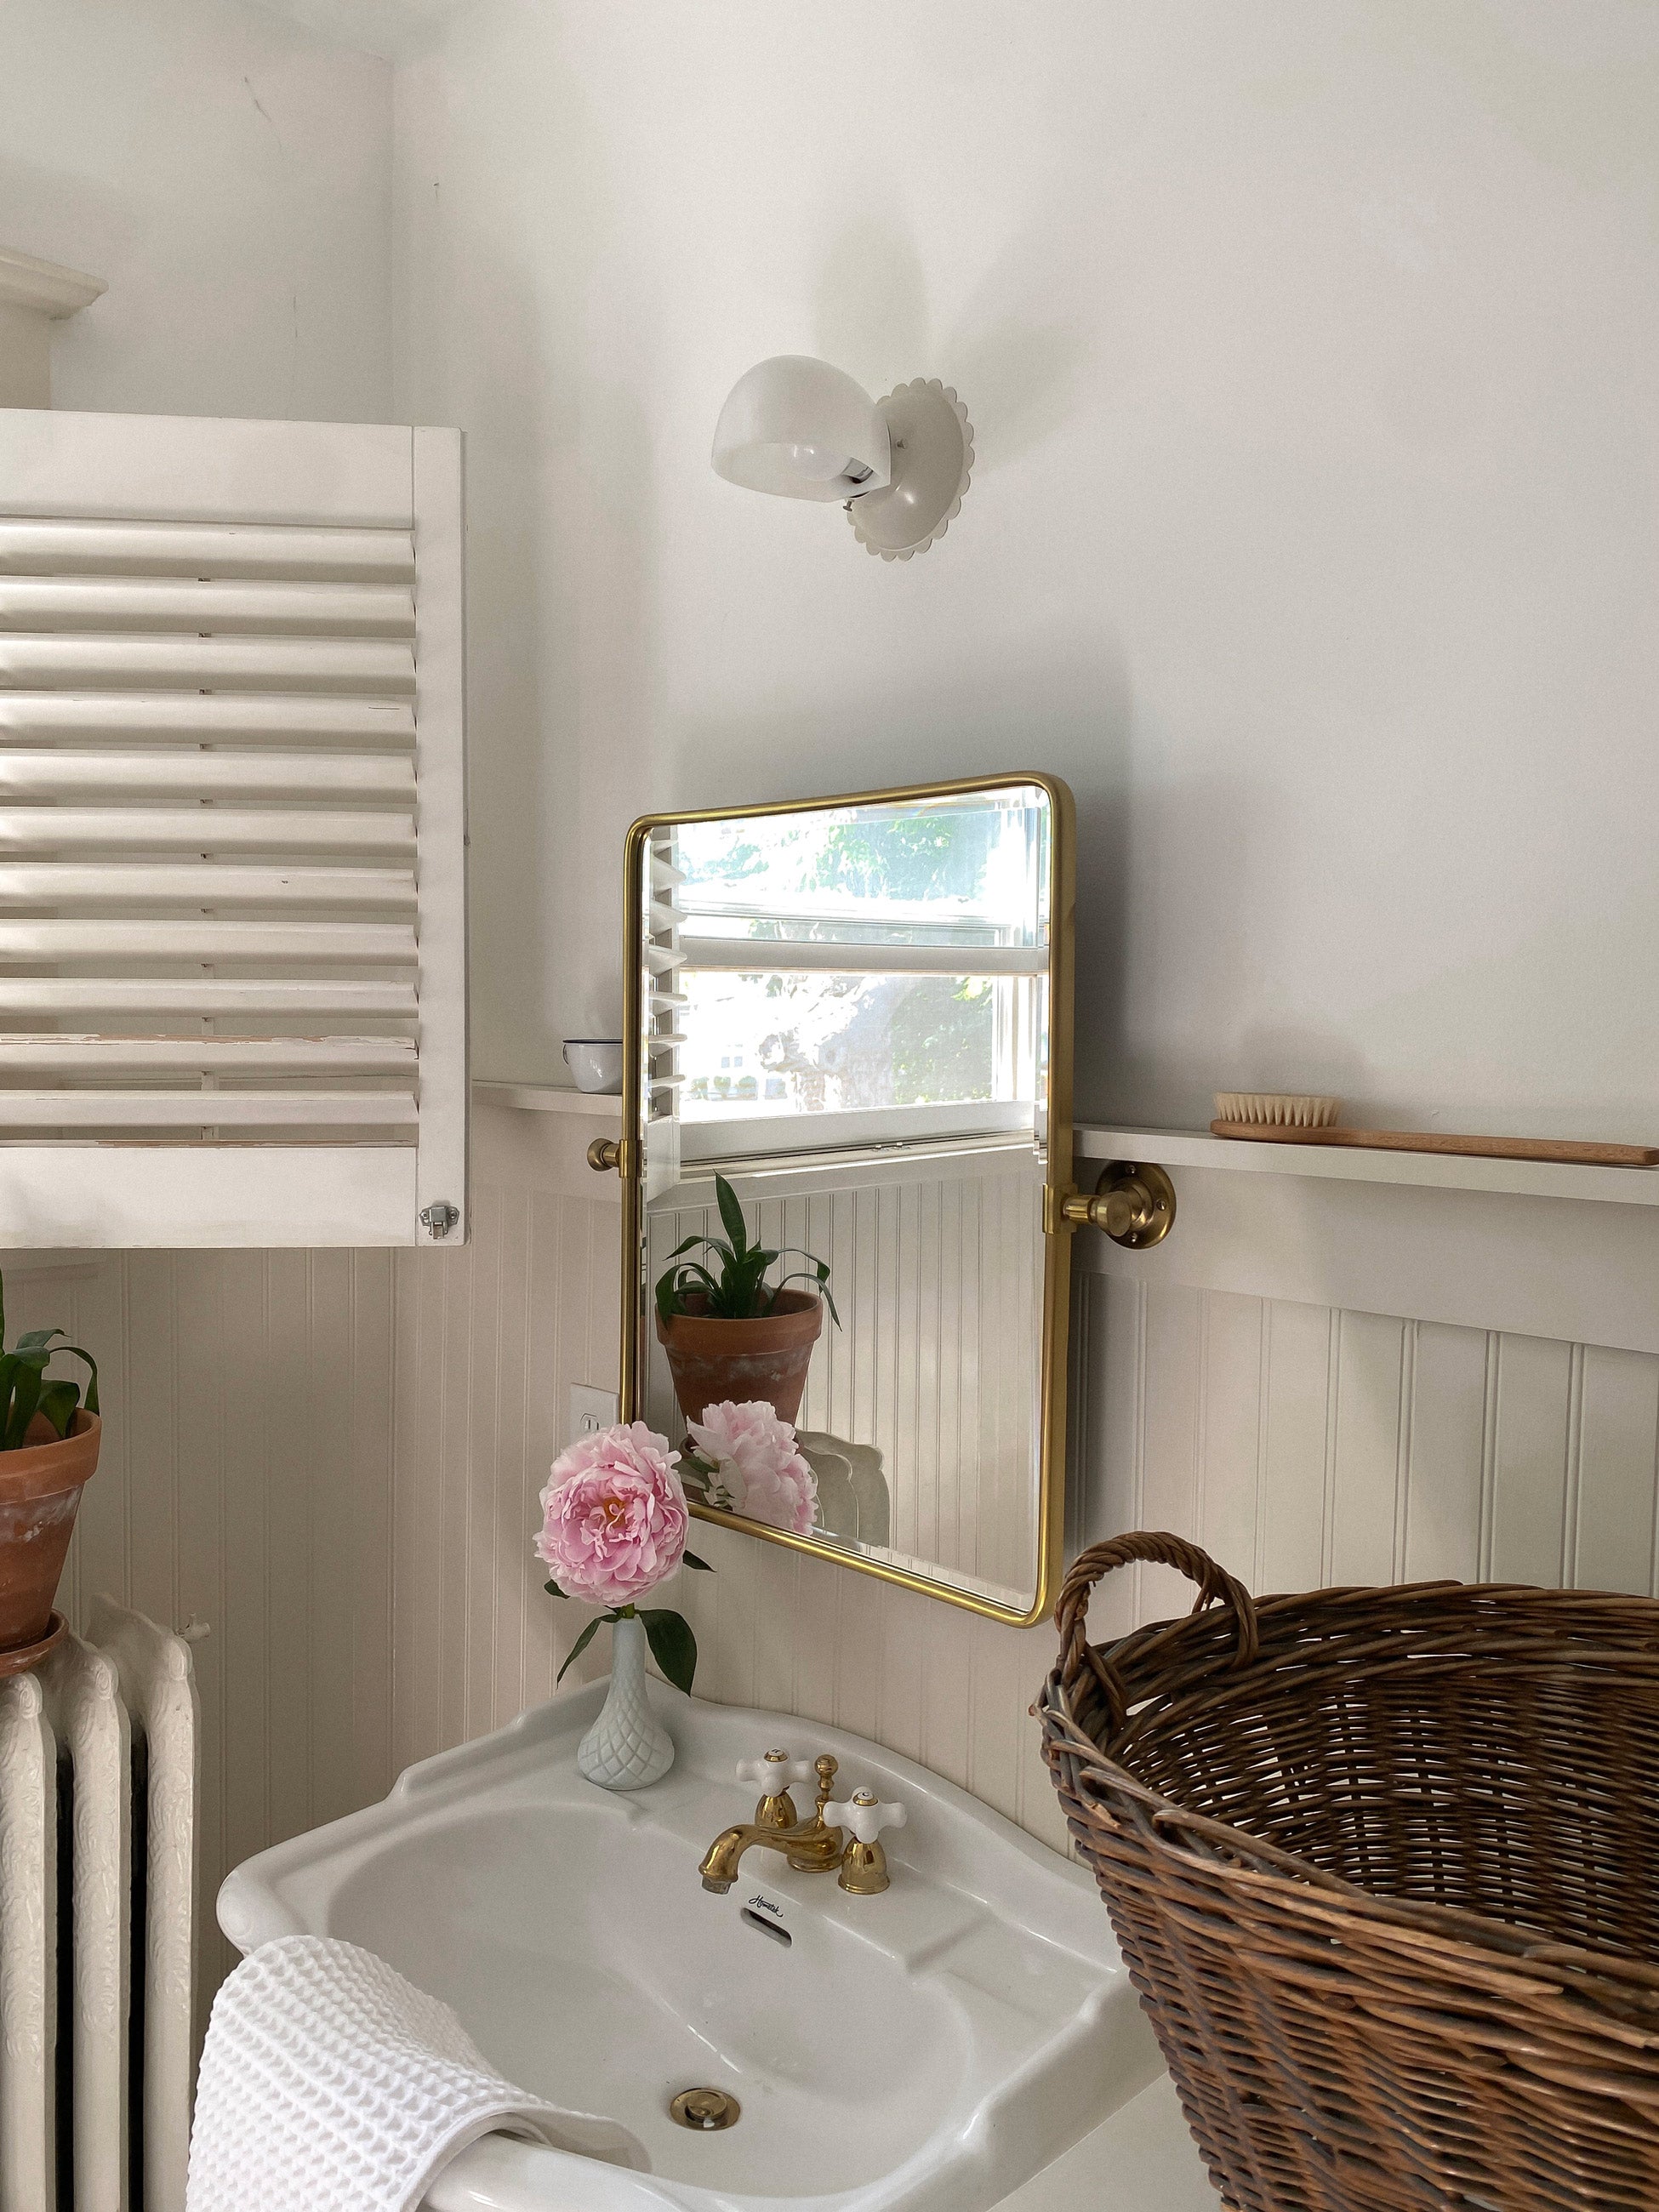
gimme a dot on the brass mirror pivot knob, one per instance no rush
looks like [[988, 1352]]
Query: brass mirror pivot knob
[[604, 1154], [1135, 1204]]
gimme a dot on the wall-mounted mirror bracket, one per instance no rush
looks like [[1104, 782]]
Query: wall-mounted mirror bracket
[[1133, 1204]]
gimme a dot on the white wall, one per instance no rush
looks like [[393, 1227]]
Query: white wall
[[232, 182], [1315, 535], [229, 179]]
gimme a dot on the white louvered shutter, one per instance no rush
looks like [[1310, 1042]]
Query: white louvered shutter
[[233, 956]]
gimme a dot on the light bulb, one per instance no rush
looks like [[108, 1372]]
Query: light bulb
[[817, 464]]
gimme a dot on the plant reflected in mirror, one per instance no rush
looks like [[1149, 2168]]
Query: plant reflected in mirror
[[739, 1291]]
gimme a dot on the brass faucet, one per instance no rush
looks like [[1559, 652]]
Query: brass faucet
[[809, 1845]]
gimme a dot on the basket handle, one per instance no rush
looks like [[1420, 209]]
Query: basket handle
[[1079, 1657]]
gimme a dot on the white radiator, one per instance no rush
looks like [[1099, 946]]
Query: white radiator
[[98, 1803]]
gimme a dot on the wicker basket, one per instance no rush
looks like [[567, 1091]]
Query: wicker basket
[[1384, 1865]]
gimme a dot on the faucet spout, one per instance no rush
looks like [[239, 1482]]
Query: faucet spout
[[809, 1845]]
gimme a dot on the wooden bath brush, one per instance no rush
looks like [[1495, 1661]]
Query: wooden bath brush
[[1275, 1117]]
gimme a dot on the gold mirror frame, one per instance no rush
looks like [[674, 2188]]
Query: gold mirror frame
[[1057, 1187]]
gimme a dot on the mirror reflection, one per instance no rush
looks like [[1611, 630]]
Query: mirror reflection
[[843, 1083]]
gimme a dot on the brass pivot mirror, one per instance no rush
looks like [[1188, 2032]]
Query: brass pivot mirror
[[846, 1153]]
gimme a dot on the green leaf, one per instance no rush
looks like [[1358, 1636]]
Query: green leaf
[[33, 1338], [817, 1274], [58, 1402], [673, 1646], [553, 1589], [731, 1215], [688, 1274], [578, 1647], [25, 1398], [691, 1559], [75, 1352]]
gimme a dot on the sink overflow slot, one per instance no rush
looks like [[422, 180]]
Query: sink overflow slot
[[768, 1926]]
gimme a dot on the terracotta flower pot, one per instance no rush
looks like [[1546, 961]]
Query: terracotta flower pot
[[767, 1358], [40, 1487]]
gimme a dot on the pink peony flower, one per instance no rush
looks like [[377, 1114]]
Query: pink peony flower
[[758, 1464], [614, 1518]]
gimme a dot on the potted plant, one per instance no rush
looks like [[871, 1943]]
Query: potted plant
[[48, 1453], [731, 1336]]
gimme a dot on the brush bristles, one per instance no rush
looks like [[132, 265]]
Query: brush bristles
[[1275, 1109]]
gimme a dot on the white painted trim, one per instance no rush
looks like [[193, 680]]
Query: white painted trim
[[1529, 1266], [1194, 1148], [441, 777], [746, 955], [781, 1135], [183, 468], [92, 1197], [549, 1098], [46, 286]]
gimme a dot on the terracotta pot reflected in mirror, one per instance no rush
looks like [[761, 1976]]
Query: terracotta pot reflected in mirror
[[766, 1358]]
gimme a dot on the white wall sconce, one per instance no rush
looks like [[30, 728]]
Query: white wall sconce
[[803, 430]]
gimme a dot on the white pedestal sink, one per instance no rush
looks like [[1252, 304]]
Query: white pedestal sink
[[928, 2050]]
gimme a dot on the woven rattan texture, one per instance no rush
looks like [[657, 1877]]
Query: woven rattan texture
[[1384, 1865]]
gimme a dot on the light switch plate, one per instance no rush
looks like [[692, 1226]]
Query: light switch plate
[[592, 1410]]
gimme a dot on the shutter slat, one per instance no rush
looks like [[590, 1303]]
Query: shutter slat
[[203, 997], [201, 829], [325, 777], [223, 1110], [96, 1056], [238, 664], [204, 883], [201, 718], [194, 549], [73, 603], [121, 942]]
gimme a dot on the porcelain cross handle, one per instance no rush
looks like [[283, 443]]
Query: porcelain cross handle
[[775, 1773], [863, 1818]]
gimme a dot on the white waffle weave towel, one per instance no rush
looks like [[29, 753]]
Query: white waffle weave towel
[[330, 2084]]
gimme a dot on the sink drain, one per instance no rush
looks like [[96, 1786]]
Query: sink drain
[[703, 2111]]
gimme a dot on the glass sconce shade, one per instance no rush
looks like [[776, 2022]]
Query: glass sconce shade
[[802, 428]]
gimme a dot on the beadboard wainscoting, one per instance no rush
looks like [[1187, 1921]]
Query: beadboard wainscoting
[[1302, 1445], [244, 1485]]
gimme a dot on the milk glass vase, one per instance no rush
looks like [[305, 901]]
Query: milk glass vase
[[628, 1747]]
